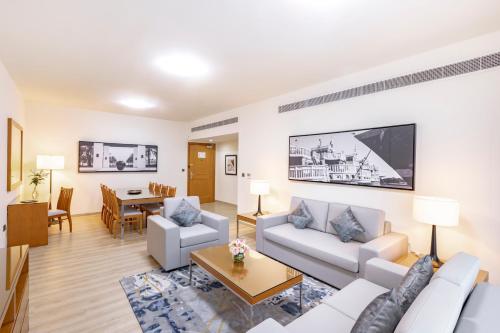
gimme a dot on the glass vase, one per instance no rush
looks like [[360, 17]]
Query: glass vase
[[239, 258], [34, 194]]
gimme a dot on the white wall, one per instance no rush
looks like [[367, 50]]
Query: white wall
[[458, 146], [11, 105], [57, 130], [226, 186]]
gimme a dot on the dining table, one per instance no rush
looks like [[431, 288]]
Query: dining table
[[125, 198]]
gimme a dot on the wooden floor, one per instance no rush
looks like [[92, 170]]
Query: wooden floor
[[74, 281]]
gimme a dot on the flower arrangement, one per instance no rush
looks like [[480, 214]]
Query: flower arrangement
[[238, 249], [37, 178]]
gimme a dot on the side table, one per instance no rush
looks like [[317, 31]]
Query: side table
[[248, 218]]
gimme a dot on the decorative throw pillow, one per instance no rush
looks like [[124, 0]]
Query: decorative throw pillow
[[347, 226], [185, 214], [415, 280], [382, 315], [301, 216]]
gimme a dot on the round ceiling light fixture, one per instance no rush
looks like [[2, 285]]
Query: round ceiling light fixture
[[183, 65], [138, 103]]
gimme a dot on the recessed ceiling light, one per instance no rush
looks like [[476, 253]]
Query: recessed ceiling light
[[137, 103], [211, 140], [183, 65]]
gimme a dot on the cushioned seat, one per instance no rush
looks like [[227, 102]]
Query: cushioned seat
[[130, 211], [322, 317], [317, 244], [354, 298], [197, 234], [55, 212]]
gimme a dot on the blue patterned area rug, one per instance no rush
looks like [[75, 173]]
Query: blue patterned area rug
[[165, 302]]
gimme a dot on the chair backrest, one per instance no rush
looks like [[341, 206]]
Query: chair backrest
[[164, 191], [151, 187], [170, 204], [113, 202], [64, 201], [158, 189], [171, 191]]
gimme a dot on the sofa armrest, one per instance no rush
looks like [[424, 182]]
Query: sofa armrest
[[163, 241], [267, 326], [390, 247], [384, 273], [267, 221], [217, 222]]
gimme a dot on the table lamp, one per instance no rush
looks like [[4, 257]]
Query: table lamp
[[50, 162], [437, 212], [259, 187]]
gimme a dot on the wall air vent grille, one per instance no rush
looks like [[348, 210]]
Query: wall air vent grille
[[215, 124], [459, 68]]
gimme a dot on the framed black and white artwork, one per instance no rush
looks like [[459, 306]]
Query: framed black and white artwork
[[231, 165], [377, 157], [116, 157]]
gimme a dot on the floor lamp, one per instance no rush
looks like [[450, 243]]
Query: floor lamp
[[436, 212], [50, 162]]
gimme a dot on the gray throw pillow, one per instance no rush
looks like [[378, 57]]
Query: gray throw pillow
[[347, 226], [185, 214], [382, 315], [301, 216], [415, 280]]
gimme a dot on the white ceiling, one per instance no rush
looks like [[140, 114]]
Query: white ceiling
[[88, 53]]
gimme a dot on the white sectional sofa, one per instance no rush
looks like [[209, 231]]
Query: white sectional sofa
[[171, 245], [436, 309], [318, 252]]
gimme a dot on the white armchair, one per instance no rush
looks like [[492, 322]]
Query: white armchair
[[171, 245]]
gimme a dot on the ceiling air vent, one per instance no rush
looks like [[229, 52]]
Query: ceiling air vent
[[215, 124], [459, 68]]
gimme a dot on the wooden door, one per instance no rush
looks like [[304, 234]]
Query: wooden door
[[201, 171]]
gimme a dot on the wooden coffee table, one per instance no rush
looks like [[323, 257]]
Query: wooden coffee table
[[257, 278]]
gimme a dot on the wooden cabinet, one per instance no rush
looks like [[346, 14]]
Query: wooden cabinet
[[27, 223], [14, 289]]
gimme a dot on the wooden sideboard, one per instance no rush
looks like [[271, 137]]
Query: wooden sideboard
[[14, 289], [27, 223]]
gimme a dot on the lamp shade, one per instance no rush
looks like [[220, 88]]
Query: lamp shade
[[49, 162], [437, 211], [259, 187]]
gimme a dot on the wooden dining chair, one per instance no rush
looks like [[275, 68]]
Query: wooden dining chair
[[131, 215], [108, 208], [63, 211], [154, 208], [171, 191], [103, 208]]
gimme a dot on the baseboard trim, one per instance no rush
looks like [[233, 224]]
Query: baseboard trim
[[85, 214]]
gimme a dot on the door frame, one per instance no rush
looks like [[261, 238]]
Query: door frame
[[189, 165]]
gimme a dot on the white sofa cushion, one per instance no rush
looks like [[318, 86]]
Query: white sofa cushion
[[480, 314], [321, 319], [170, 205], [318, 209], [317, 244], [461, 270], [197, 234], [372, 220], [441, 300], [354, 298]]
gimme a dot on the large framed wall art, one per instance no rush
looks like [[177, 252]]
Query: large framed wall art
[[116, 157], [377, 157]]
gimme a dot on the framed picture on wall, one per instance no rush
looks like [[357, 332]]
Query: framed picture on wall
[[116, 157], [376, 157], [231, 165]]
